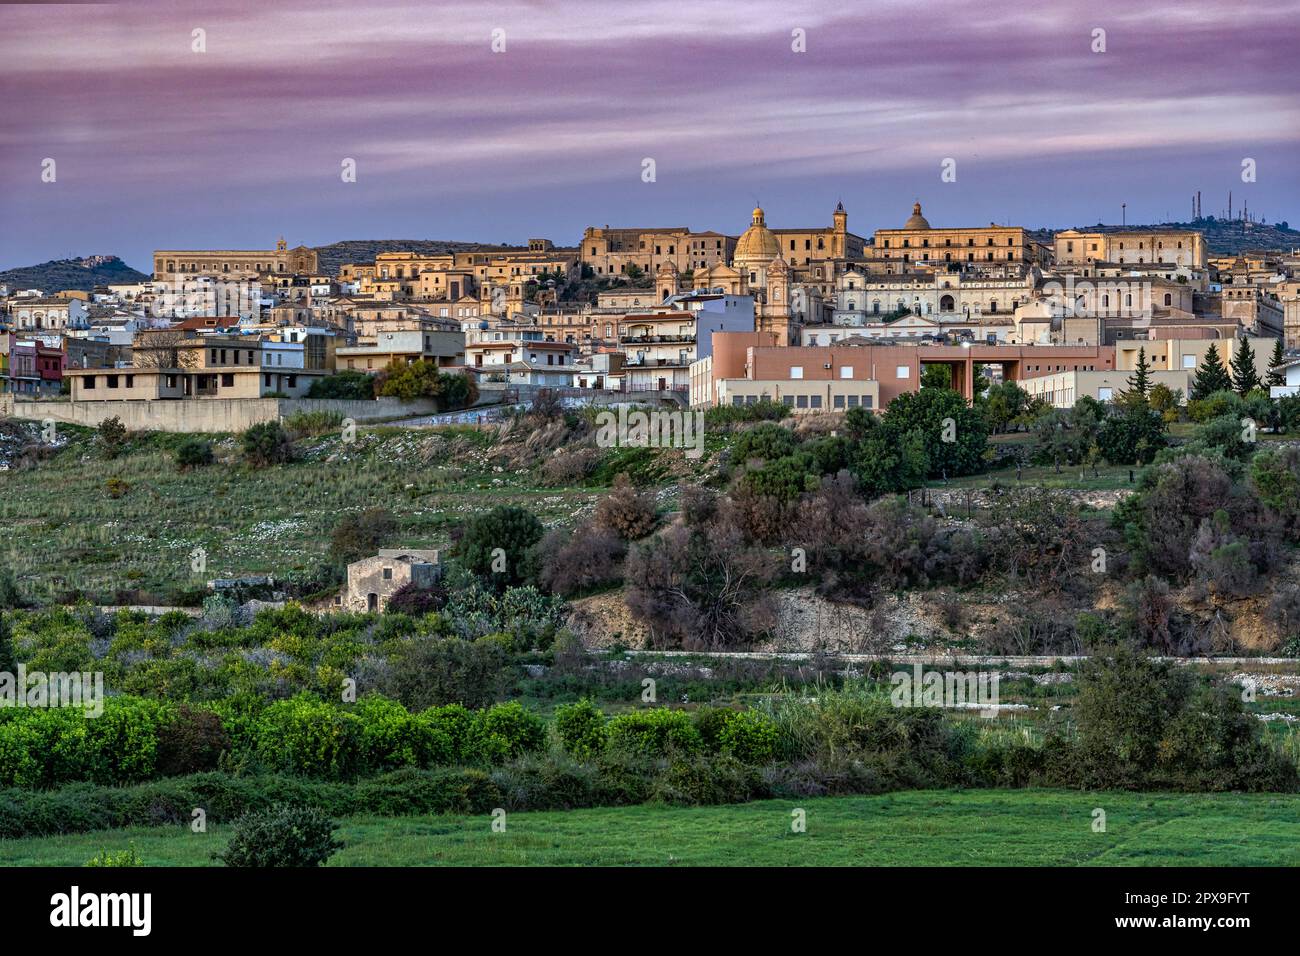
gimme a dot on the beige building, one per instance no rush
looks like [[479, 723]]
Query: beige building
[[169, 365], [609, 252], [247, 263], [443, 348], [372, 581], [917, 242], [1175, 247]]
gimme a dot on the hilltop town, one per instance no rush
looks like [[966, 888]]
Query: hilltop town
[[818, 318]]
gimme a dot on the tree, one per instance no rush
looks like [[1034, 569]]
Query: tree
[[1275, 374], [161, 349], [1139, 382], [498, 545], [1245, 378], [954, 435], [936, 375], [1211, 377], [1132, 435], [360, 535], [1004, 404]]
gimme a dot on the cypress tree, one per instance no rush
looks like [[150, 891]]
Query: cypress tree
[[1244, 376], [1275, 374], [1211, 377], [1140, 380]]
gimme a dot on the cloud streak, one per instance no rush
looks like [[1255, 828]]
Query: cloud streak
[[158, 145]]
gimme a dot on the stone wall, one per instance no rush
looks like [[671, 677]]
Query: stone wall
[[209, 414]]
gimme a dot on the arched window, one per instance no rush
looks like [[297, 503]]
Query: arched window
[[946, 304], [1169, 299]]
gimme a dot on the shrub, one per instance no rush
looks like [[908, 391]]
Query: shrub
[[432, 671], [361, 535], [628, 513], [511, 529], [1149, 723], [111, 437], [301, 424], [10, 596], [116, 487], [412, 792], [192, 741], [281, 836], [765, 442], [305, 735], [658, 732], [348, 385], [193, 453], [762, 410], [581, 729], [417, 601], [507, 730], [751, 737], [589, 558], [127, 857], [266, 444]]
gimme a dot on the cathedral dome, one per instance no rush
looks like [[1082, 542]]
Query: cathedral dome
[[757, 243], [917, 221]]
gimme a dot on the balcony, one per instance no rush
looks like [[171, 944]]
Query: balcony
[[656, 339]]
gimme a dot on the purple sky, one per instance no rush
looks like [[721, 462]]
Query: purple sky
[[157, 146]]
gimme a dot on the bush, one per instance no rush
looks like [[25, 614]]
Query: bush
[[628, 513], [433, 671], [417, 601], [1144, 723], [765, 442], [266, 444], [281, 836], [750, 736], [412, 792], [193, 453], [301, 424], [361, 535], [305, 735], [347, 385], [658, 732], [581, 729], [507, 730], [511, 529], [111, 437], [192, 741], [762, 410], [127, 857], [587, 559]]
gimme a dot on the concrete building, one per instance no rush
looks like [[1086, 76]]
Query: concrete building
[[445, 349]]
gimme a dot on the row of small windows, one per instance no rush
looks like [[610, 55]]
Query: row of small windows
[[925, 243]]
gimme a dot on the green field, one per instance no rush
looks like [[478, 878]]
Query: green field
[[926, 828]]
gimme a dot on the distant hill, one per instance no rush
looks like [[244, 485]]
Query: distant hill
[[1223, 237], [365, 250], [60, 274]]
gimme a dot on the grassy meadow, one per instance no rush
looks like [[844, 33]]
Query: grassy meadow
[[925, 828]]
